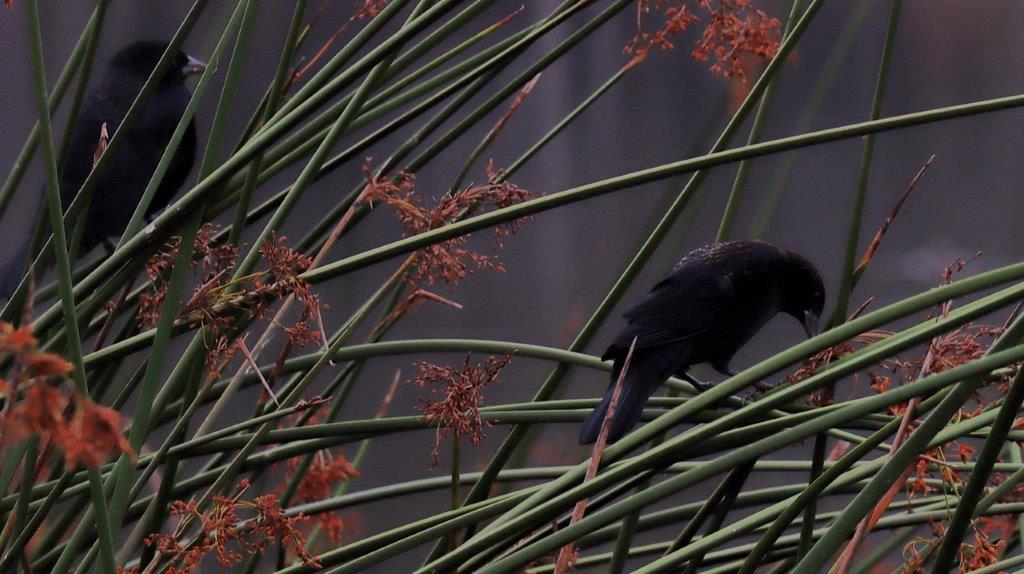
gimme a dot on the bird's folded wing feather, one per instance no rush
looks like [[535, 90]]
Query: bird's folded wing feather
[[681, 306]]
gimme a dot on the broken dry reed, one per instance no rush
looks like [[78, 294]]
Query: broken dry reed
[[567, 555]]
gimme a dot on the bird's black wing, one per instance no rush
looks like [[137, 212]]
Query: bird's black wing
[[681, 306]]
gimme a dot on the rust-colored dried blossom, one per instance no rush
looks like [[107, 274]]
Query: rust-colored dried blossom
[[952, 349], [458, 411], [16, 340], [677, 19], [736, 33], [990, 537], [822, 359], [99, 430], [919, 484], [448, 261], [964, 451], [226, 534], [47, 365], [218, 302], [88, 433], [949, 350], [284, 266], [320, 481]]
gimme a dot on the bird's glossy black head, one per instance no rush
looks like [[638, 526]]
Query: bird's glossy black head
[[141, 57], [803, 293]]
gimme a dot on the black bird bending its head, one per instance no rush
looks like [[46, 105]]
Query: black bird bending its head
[[139, 59], [133, 162], [714, 301]]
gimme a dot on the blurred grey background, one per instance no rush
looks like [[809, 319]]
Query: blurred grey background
[[563, 261]]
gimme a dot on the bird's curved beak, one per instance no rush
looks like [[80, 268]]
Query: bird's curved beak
[[810, 323], [193, 67]]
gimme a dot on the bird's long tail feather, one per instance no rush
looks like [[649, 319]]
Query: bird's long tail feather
[[644, 376]]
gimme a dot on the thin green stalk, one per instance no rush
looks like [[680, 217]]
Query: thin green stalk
[[174, 212], [134, 111], [846, 39], [74, 63], [736, 477], [453, 537], [760, 118], [732, 487], [536, 508], [489, 138], [28, 476], [553, 200], [85, 72], [866, 471], [896, 541], [814, 490], [64, 268], [244, 15], [270, 106], [554, 378], [826, 546], [979, 477], [846, 281], [357, 463], [624, 540], [327, 81], [568, 119], [818, 454], [1015, 457]]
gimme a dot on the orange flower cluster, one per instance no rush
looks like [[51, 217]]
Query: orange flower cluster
[[736, 33], [88, 433], [990, 537], [319, 482], [224, 533], [991, 534], [214, 260], [218, 302], [448, 261], [822, 359], [677, 19], [458, 411], [952, 349]]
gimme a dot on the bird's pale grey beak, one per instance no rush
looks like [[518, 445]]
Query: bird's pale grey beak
[[193, 66], [810, 323]]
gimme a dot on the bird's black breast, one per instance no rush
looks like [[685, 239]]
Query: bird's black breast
[[134, 160]]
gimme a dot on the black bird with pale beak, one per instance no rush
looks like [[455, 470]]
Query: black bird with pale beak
[[123, 182], [716, 299]]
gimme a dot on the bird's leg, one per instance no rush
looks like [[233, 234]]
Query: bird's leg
[[701, 386], [761, 386], [109, 245]]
